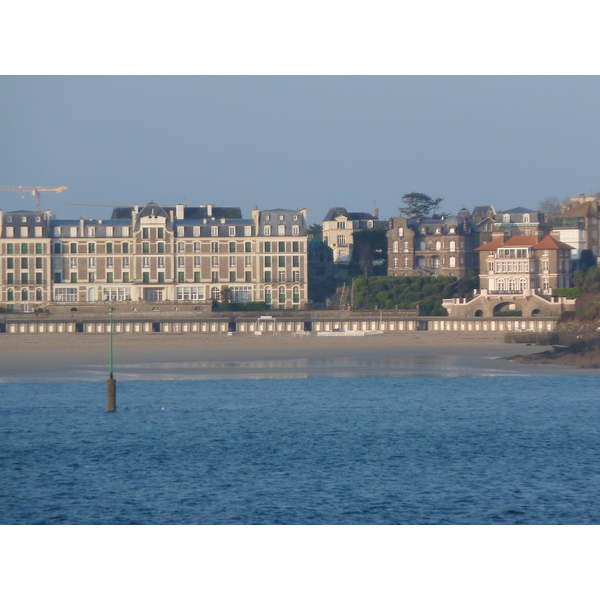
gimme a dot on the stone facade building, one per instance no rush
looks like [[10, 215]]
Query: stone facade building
[[522, 263], [339, 227], [432, 246], [154, 254]]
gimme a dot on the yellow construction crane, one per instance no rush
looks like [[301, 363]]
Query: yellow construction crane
[[35, 191]]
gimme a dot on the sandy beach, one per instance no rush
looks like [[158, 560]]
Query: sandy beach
[[141, 356]]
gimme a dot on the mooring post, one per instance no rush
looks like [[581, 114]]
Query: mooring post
[[111, 404]]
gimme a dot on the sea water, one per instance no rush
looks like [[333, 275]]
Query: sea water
[[365, 450]]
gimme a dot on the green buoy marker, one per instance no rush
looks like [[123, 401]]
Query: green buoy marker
[[111, 404]]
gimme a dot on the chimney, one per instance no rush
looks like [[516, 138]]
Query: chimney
[[179, 211], [377, 213], [209, 209]]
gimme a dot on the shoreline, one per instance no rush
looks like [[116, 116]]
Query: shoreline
[[59, 357]]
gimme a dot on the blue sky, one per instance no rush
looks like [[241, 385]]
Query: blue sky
[[298, 141]]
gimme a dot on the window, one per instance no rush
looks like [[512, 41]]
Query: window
[[110, 277], [296, 276], [395, 262], [24, 248], [281, 246], [24, 295], [125, 247], [146, 277], [39, 296], [506, 218], [196, 276], [247, 231], [190, 293], [38, 278], [281, 275], [232, 262], [248, 247], [232, 276], [214, 247], [452, 246], [438, 245], [268, 261], [267, 246], [24, 232], [161, 247], [268, 276], [109, 231], [268, 295], [196, 231], [214, 276], [282, 261], [10, 295], [24, 278], [92, 277], [214, 261], [92, 262], [125, 277], [282, 295], [146, 233], [248, 276], [73, 277], [57, 278], [125, 232], [91, 232], [281, 230], [110, 262], [295, 230], [525, 218], [24, 263], [146, 248], [92, 248], [38, 249], [10, 232], [10, 248], [161, 277], [181, 262], [161, 232], [296, 292], [73, 263], [452, 262], [10, 263], [215, 293], [231, 246], [10, 278], [145, 262], [109, 248], [395, 247], [196, 262], [180, 247], [214, 231], [232, 231], [73, 248], [267, 230], [65, 295], [180, 232], [248, 261], [181, 277], [57, 248], [295, 246], [126, 262], [196, 247], [73, 231]]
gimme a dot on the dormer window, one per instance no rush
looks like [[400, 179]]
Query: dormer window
[[232, 231], [23, 219], [281, 217], [452, 230], [9, 219], [438, 230], [400, 231], [525, 218], [506, 218]]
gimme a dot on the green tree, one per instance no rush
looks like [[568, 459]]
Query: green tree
[[226, 294], [418, 205], [370, 245], [316, 230]]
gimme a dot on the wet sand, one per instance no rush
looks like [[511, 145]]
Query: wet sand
[[203, 356]]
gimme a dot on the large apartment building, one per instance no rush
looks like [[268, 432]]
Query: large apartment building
[[154, 254]]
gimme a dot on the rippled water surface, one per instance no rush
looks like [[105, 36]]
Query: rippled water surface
[[418, 450]]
